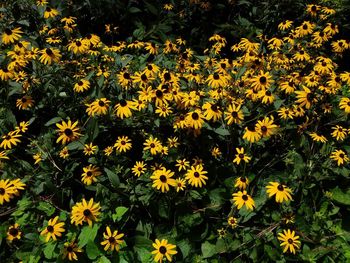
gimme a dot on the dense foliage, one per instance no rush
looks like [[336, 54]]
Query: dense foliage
[[154, 141]]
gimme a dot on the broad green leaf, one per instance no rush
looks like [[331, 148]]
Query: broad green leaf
[[341, 196], [113, 177], [53, 121], [119, 212], [208, 249], [49, 250], [92, 250], [87, 233]]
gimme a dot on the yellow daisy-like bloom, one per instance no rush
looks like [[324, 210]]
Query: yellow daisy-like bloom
[[339, 133], [6, 74], [49, 55], [241, 156], [289, 241], [18, 185], [164, 110], [234, 114], [195, 119], [64, 153], [262, 81], [282, 192], [182, 164], [7, 190], [180, 184], [70, 251], [251, 134], [90, 173], [241, 183], [85, 212], [344, 104], [153, 145], [3, 156], [218, 80], [163, 249], [90, 149], [112, 240], [162, 179], [53, 230], [123, 144], [25, 102], [37, 158], [67, 132], [266, 127], [195, 176], [211, 111], [123, 109], [82, 85], [285, 25], [139, 168], [50, 12], [9, 140], [11, 35], [232, 221], [100, 106], [242, 198], [13, 233], [23, 126], [78, 46], [340, 157], [305, 97], [318, 138]]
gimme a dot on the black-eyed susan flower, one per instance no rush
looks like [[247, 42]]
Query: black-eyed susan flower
[[90, 174], [285, 25], [340, 157], [232, 222], [339, 133], [317, 137], [7, 190], [266, 127], [282, 192], [53, 229], [180, 184], [216, 152], [305, 97], [344, 104], [173, 142], [139, 168], [25, 102], [211, 111], [234, 114], [289, 240], [64, 153], [241, 156], [17, 184], [163, 249], [123, 109], [81, 85], [195, 175], [37, 158], [241, 182], [113, 240], [11, 35], [90, 149], [3, 156], [182, 164], [67, 132], [195, 119], [14, 233], [100, 106], [261, 81], [251, 134], [85, 212], [78, 46], [22, 127], [70, 250], [164, 110], [10, 139], [153, 145], [50, 12], [241, 199], [49, 55], [123, 144], [162, 179]]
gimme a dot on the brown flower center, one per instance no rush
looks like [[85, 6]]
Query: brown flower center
[[163, 178], [162, 250]]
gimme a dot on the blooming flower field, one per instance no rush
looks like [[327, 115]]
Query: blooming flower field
[[149, 151]]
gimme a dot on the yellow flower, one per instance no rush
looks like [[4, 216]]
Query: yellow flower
[[70, 250], [50, 12], [241, 156], [53, 230], [112, 240], [196, 176], [242, 198], [11, 35], [152, 144], [82, 85], [9, 140], [180, 184], [344, 104], [266, 127], [50, 55], [234, 114], [90, 149], [162, 179], [340, 157], [13, 233], [67, 132], [139, 168], [85, 212], [163, 249], [232, 221], [123, 144], [241, 183], [89, 174], [282, 192], [289, 241], [6, 191], [251, 134]]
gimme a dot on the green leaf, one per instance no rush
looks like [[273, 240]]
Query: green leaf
[[134, 10], [53, 121], [222, 131], [87, 233], [49, 250], [46, 208], [103, 259], [119, 212], [185, 247], [208, 249], [92, 250], [113, 177], [341, 196]]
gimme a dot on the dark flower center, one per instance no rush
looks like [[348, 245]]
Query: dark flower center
[[341, 155], [162, 250], [24, 100], [49, 229], [78, 43], [122, 142], [195, 116], [244, 197], [167, 76], [324, 64], [144, 77], [310, 96], [214, 107], [302, 52], [101, 103], [263, 129], [68, 132], [2, 191], [159, 93], [280, 187], [87, 212], [49, 52], [149, 67], [241, 155], [126, 75], [268, 93], [162, 178], [152, 145], [262, 80], [216, 76], [313, 8], [70, 249], [111, 240], [123, 103], [196, 174], [243, 179], [80, 83], [305, 27], [13, 232], [251, 128], [89, 174], [8, 31], [234, 114], [290, 241], [48, 9]]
